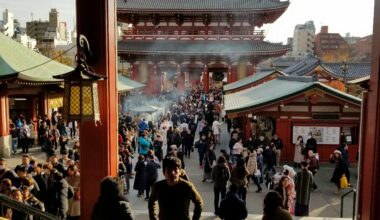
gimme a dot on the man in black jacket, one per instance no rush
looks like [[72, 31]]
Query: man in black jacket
[[232, 207], [151, 174]]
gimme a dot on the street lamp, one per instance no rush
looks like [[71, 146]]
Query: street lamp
[[344, 68], [80, 101]]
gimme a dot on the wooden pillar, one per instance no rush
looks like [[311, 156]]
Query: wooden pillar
[[234, 76], [99, 156], [42, 104], [135, 71], [5, 138], [369, 162], [206, 79], [284, 131]]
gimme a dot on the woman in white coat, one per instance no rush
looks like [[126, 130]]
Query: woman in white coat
[[299, 147]]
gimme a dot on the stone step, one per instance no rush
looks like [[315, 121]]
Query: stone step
[[143, 215]]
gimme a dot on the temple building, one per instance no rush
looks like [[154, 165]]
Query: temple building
[[175, 44]]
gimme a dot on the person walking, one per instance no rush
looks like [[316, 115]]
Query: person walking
[[313, 166], [175, 206], [239, 178], [220, 176], [216, 129], [304, 185], [233, 207], [201, 145], [111, 203], [73, 179], [340, 169], [278, 144], [140, 177], [253, 169], [208, 162], [151, 174]]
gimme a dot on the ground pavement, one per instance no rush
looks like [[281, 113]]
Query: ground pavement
[[324, 202]]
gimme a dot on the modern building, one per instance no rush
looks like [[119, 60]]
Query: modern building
[[185, 43], [7, 25], [362, 49], [331, 47], [48, 34], [303, 39]]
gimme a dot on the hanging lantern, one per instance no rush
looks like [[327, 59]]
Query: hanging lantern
[[80, 101]]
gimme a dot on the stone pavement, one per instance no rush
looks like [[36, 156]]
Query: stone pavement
[[324, 202]]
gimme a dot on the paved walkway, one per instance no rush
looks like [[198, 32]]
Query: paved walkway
[[324, 202]]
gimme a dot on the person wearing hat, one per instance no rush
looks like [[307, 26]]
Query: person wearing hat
[[340, 168], [304, 185]]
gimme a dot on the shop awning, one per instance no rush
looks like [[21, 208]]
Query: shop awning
[[125, 84]]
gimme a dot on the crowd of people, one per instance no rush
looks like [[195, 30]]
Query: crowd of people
[[192, 123], [52, 185]]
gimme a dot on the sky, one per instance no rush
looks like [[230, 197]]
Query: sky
[[342, 16]]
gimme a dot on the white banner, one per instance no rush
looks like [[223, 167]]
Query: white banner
[[323, 135]]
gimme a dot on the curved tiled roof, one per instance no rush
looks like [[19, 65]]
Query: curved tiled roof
[[200, 5], [278, 90], [19, 62], [248, 80], [355, 70], [194, 47], [302, 67]]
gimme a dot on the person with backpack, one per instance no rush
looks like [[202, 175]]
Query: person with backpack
[[220, 176]]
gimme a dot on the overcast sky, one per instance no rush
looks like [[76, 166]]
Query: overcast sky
[[342, 16]]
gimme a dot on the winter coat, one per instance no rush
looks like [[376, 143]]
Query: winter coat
[[151, 170], [57, 202], [220, 175], [233, 208], [237, 178], [252, 163], [144, 145], [209, 160], [304, 184], [112, 209], [74, 203], [140, 177]]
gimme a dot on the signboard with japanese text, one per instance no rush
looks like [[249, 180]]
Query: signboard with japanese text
[[323, 135]]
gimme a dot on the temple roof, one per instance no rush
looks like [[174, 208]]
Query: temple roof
[[200, 47], [126, 84], [248, 80], [19, 62], [278, 90], [355, 70], [303, 66], [200, 5], [308, 64]]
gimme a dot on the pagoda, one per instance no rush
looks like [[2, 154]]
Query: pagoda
[[179, 43]]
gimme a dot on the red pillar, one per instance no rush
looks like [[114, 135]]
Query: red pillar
[[5, 147], [284, 131], [369, 162], [250, 70], [234, 76], [135, 72], [42, 104], [99, 142], [206, 79]]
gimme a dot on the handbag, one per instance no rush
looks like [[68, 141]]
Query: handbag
[[257, 173], [343, 182]]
